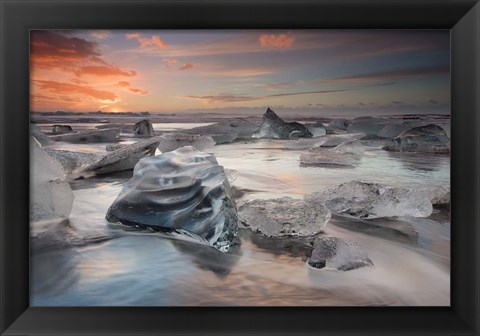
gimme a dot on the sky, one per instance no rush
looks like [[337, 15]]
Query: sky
[[175, 71]]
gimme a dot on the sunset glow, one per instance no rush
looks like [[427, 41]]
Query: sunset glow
[[173, 71]]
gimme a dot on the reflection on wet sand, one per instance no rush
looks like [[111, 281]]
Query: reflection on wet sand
[[209, 258], [427, 162]]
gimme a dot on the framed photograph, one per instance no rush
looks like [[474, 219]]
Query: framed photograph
[[239, 168]]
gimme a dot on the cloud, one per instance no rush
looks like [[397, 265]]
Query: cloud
[[52, 50], [232, 98], [123, 84], [146, 42], [333, 44], [51, 46], [103, 71], [281, 41], [186, 66], [381, 78], [79, 81], [390, 75], [243, 72], [126, 85], [100, 34], [63, 88], [222, 97], [169, 62]]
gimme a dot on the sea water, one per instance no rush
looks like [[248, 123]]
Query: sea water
[[86, 261]]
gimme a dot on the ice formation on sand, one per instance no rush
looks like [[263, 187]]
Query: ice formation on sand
[[438, 195], [338, 124], [337, 139], [336, 253], [368, 125], [143, 128], [380, 127], [426, 139], [125, 158], [41, 137], [73, 162], [184, 191], [317, 129], [273, 127], [373, 200], [304, 143], [50, 196], [97, 135], [173, 141], [114, 147], [226, 131], [393, 130], [123, 127], [347, 153], [284, 217], [61, 129], [329, 140]]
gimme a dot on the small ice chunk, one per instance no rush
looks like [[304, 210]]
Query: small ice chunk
[[393, 130], [125, 158], [143, 128], [89, 136], [372, 200], [368, 125], [41, 137], [73, 162], [317, 129], [273, 127], [338, 124], [50, 196], [284, 217], [423, 139], [123, 127], [438, 195], [61, 129], [173, 141], [347, 153], [339, 254]]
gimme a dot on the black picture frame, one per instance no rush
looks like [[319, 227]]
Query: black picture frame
[[17, 17]]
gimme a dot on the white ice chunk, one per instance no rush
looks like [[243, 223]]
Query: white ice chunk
[[284, 217], [50, 196], [347, 153], [373, 200], [173, 141], [339, 254]]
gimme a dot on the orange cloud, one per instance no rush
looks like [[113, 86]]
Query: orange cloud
[[52, 50], [123, 84], [281, 41], [101, 34], [50, 46], [169, 61], [63, 88], [78, 81], [145, 42], [127, 86], [102, 70], [186, 66]]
